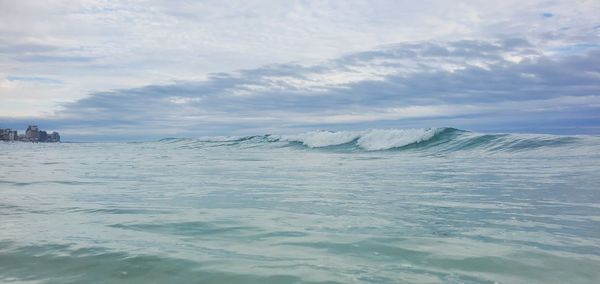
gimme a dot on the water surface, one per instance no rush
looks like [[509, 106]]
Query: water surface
[[379, 206]]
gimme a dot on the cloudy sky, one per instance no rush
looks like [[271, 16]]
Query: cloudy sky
[[99, 69]]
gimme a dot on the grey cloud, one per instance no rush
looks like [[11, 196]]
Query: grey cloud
[[263, 97], [475, 49]]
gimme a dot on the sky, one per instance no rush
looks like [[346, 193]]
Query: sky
[[135, 70]]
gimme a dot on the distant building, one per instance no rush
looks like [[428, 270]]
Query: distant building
[[32, 133], [54, 137], [42, 136], [8, 134], [13, 135]]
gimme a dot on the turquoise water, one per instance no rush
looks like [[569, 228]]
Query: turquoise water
[[378, 206]]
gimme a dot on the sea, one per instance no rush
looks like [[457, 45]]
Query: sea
[[439, 205]]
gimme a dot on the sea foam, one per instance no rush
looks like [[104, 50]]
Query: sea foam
[[372, 140]]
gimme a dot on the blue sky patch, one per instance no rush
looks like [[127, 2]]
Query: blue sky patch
[[44, 80], [547, 15]]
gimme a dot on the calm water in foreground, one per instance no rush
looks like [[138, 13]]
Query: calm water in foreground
[[387, 206]]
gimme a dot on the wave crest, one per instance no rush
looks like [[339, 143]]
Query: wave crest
[[371, 140], [429, 140]]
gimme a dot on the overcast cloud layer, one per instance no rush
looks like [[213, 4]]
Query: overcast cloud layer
[[149, 69]]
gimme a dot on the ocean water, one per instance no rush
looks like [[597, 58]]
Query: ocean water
[[375, 206]]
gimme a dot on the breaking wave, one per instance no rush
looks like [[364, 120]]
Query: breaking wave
[[370, 140], [426, 139]]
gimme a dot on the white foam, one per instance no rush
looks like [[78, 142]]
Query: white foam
[[376, 139], [219, 138], [380, 139]]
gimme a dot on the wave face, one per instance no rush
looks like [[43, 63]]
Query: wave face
[[434, 140]]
